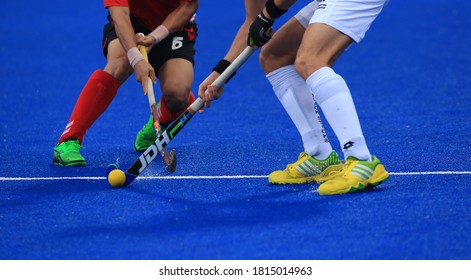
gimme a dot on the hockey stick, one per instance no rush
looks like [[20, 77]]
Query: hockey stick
[[169, 159], [174, 128]]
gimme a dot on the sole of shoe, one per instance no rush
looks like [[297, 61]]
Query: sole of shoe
[[295, 181], [70, 164], [329, 173]]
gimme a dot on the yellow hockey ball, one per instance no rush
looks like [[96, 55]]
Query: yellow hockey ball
[[116, 178]]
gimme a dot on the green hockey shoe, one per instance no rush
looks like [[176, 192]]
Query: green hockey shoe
[[67, 153], [146, 136]]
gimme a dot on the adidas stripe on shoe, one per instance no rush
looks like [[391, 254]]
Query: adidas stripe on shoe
[[307, 169]]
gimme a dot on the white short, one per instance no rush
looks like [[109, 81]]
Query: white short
[[351, 17]]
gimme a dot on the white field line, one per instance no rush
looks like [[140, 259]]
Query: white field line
[[212, 177]]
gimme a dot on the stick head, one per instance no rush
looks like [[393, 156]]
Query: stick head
[[118, 178], [171, 165]]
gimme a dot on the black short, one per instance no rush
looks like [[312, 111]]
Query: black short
[[180, 44]]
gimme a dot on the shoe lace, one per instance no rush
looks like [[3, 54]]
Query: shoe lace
[[347, 164], [73, 145], [301, 155], [148, 130]]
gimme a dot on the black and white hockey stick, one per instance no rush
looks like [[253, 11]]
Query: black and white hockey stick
[[174, 128]]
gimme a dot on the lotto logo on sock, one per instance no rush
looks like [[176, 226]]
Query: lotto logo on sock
[[348, 145]]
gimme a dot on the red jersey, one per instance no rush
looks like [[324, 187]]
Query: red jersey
[[149, 13]]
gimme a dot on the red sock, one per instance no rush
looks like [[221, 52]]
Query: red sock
[[95, 97], [166, 116]]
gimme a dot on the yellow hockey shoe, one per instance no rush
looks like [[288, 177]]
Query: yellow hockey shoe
[[307, 169], [356, 175]]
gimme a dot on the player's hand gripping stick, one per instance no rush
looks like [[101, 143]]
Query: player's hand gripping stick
[[126, 178]]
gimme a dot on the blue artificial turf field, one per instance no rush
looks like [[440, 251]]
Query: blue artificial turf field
[[410, 79]]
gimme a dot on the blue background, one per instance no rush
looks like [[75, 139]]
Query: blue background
[[410, 80]]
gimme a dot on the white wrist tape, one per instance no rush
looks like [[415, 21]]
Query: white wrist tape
[[160, 33], [134, 56]]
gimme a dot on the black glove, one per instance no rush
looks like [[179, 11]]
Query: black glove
[[260, 31]]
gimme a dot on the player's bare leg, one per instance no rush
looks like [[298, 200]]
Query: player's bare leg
[[321, 46], [117, 62], [176, 77], [277, 53]]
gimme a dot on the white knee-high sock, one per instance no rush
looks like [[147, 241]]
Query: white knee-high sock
[[333, 96], [294, 95]]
